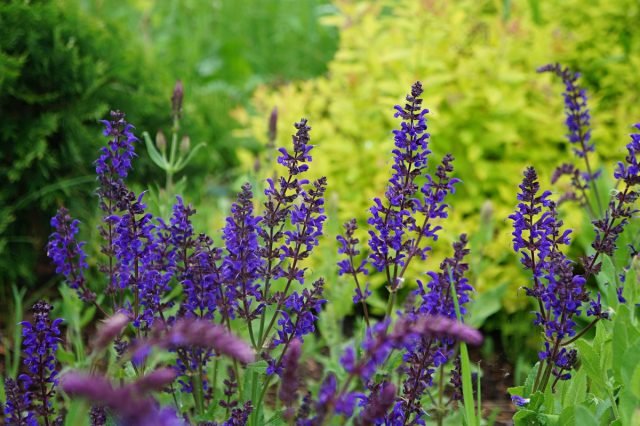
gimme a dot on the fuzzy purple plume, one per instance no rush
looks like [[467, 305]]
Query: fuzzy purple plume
[[201, 333], [289, 385], [436, 326], [129, 403], [110, 328]]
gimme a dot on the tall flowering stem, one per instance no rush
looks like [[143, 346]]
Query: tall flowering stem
[[578, 122], [68, 254], [560, 293], [398, 235], [281, 192], [242, 262], [306, 219], [621, 207], [347, 266], [112, 167], [40, 344]]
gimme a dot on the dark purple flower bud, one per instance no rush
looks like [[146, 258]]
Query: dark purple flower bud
[[240, 416], [273, 125], [98, 416], [176, 100], [68, 254], [456, 379]]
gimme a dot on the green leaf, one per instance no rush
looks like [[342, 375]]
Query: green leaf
[[584, 417], [182, 162], [591, 363], [634, 386], [576, 389], [530, 380], [568, 416], [65, 357], [625, 336], [276, 420], [155, 155]]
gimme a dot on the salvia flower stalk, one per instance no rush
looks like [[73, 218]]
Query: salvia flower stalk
[[578, 123]]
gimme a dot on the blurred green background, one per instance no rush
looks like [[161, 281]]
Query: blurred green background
[[343, 65]]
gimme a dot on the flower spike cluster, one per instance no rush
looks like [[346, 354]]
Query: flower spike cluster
[[404, 222], [173, 289], [559, 292]]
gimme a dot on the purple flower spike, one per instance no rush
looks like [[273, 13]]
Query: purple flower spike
[[242, 263], [17, 407], [115, 159], [397, 236], [68, 254], [578, 117], [40, 344]]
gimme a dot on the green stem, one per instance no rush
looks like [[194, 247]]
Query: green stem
[[467, 386]]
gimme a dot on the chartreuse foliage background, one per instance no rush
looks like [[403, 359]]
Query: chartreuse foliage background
[[477, 60]]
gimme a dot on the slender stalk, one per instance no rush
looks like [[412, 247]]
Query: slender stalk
[[362, 301], [441, 396], [467, 386], [582, 332]]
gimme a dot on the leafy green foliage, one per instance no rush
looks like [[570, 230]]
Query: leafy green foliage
[[60, 71]]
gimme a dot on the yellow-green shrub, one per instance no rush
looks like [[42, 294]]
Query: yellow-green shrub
[[489, 108]]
